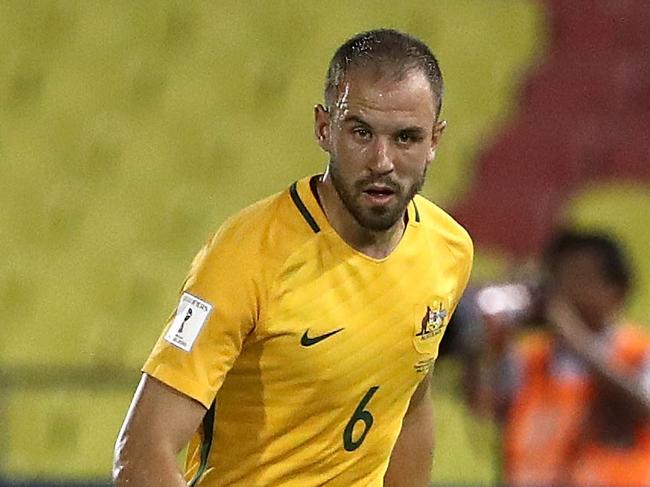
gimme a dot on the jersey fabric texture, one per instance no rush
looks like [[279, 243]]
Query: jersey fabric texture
[[311, 350]]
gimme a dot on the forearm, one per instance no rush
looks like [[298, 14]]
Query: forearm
[[576, 335], [628, 389], [412, 457], [158, 425], [153, 468]]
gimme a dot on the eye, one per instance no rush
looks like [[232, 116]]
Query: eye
[[362, 133], [406, 137]]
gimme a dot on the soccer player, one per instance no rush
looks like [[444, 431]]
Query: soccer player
[[301, 350]]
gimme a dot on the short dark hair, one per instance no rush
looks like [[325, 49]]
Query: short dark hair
[[386, 49], [613, 260]]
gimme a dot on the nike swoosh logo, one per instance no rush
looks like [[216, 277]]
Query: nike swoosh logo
[[307, 341]]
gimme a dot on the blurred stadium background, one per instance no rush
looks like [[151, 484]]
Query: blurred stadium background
[[130, 130]]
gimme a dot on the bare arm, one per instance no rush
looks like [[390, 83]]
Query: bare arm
[[576, 334], [412, 457], [159, 423]]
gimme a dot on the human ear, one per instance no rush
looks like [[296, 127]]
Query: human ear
[[436, 133], [322, 126]]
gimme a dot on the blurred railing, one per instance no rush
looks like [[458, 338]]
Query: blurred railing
[[60, 422], [46, 434], [64, 377]]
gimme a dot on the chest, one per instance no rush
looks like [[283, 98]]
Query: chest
[[351, 319]]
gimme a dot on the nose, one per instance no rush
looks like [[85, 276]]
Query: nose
[[382, 160]]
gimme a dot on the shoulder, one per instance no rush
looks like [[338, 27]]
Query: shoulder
[[632, 344], [630, 333], [442, 227], [262, 235]]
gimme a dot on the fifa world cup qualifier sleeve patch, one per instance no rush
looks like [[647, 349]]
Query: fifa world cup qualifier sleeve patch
[[191, 315]]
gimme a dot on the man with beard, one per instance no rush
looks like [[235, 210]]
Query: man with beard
[[301, 350]]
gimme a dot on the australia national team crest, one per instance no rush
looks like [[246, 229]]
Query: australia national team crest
[[428, 330]]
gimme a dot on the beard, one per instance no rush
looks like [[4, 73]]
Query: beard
[[378, 218]]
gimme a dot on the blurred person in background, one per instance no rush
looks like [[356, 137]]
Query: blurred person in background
[[572, 393], [301, 351]]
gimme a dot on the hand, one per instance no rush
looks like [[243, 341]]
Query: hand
[[570, 327]]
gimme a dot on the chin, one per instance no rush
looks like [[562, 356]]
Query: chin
[[379, 222]]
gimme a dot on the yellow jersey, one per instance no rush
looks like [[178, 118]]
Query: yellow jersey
[[305, 351]]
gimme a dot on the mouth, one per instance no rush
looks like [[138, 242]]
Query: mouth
[[378, 194]]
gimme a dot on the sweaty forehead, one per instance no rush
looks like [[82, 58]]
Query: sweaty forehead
[[369, 95]]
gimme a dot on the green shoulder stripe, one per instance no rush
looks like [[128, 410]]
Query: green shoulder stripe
[[295, 197]]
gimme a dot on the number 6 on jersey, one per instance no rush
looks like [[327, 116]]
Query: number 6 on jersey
[[359, 415]]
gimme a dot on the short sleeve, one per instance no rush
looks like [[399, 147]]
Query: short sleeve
[[218, 307], [465, 258]]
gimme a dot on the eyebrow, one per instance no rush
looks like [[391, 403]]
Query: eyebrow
[[415, 130], [355, 119]]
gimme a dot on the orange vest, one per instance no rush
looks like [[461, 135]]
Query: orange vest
[[546, 436]]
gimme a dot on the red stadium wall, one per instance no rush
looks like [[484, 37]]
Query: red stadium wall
[[584, 118]]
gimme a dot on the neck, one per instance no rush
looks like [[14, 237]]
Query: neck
[[375, 244]]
